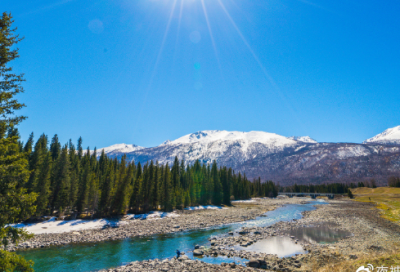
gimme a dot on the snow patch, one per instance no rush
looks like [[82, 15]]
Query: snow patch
[[208, 136], [117, 148], [243, 201], [53, 226], [389, 136], [304, 139], [208, 207]]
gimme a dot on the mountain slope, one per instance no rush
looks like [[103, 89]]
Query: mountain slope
[[273, 157], [389, 136]]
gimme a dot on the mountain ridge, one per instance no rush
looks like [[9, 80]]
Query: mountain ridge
[[274, 157]]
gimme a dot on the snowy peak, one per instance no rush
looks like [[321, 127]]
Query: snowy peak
[[120, 148], [389, 136], [304, 139], [208, 136]]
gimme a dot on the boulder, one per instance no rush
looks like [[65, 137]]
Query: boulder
[[198, 252], [254, 263]]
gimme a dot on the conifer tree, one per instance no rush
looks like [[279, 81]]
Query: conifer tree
[[15, 203], [107, 191], [217, 192], [55, 147], [29, 144], [166, 189], [62, 179], [43, 185], [135, 198]]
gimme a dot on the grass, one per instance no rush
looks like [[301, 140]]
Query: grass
[[387, 200], [389, 260]]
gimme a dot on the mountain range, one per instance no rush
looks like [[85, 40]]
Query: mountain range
[[286, 160]]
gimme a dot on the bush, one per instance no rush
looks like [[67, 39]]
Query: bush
[[350, 194], [10, 261]]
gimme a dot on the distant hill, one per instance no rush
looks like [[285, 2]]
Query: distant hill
[[286, 160]]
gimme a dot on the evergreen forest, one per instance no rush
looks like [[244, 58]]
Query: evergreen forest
[[71, 181]]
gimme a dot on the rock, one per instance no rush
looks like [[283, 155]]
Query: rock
[[183, 258], [353, 257], [254, 263], [198, 252]]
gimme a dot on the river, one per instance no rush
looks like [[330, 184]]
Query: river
[[92, 257]]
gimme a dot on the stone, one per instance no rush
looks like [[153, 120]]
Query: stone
[[198, 252], [254, 263]]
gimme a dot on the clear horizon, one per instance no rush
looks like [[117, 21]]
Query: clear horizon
[[142, 72]]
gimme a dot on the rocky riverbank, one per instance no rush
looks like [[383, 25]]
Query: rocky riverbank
[[187, 220], [182, 263], [370, 235]]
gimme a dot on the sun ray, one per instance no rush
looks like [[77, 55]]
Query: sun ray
[[178, 33], [211, 33], [164, 38], [157, 60], [180, 18], [264, 70]]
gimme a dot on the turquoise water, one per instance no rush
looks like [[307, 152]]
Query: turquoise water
[[92, 257]]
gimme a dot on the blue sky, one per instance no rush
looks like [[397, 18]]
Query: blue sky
[[144, 71]]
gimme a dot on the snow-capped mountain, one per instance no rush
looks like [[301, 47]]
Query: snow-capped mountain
[[274, 157], [389, 136], [209, 145], [118, 148], [305, 139]]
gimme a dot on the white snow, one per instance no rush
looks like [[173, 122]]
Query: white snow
[[243, 201], [208, 207], [352, 151], [53, 226], [123, 148], [117, 148], [389, 136], [208, 136], [304, 139]]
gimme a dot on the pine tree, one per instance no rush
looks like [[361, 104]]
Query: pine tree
[[74, 175], [55, 147], [217, 192], [107, 191], [29, 144], [166, 189], [84, 184], [43, 185], [15, 203], [62, 182]]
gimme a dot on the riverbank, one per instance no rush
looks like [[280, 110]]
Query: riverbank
[[186, 220], [372, 238], [182, 263]]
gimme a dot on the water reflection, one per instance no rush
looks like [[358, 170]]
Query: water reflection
[[281, 246], [323, 234]]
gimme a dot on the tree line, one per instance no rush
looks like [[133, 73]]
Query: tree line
[[333, 188], [394, 181], [72, 181]]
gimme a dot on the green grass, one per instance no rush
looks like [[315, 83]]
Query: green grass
[[387, 200]]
